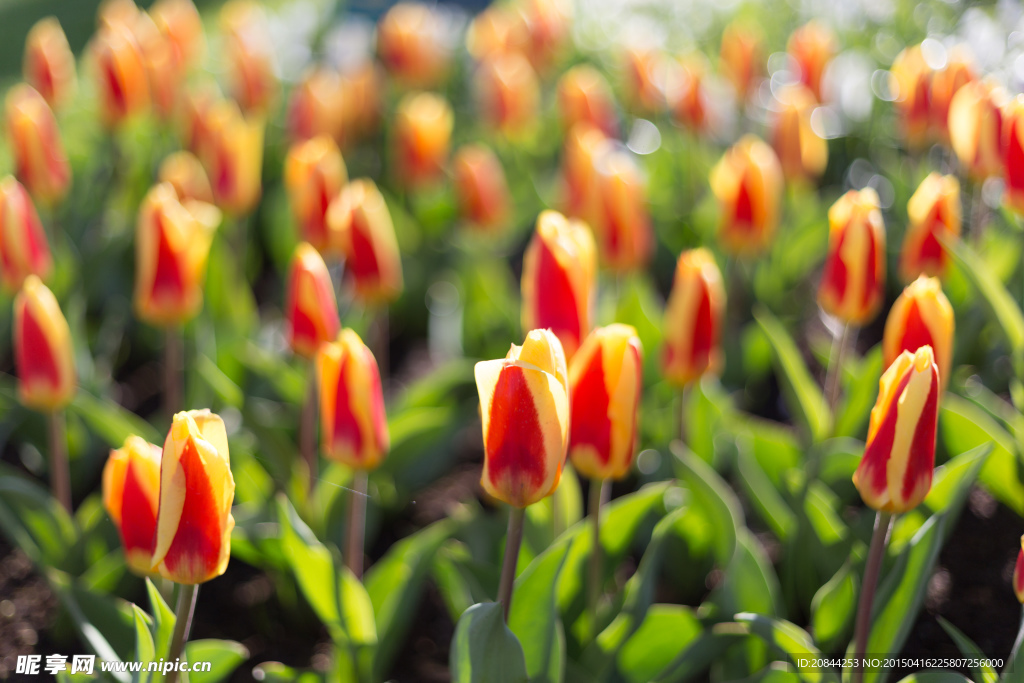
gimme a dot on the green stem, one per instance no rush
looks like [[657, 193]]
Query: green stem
[[357, 523], [187, 596], [513, 539], [1016, 648], [60, 477], [883, 522], [307, 431], [174, 351], [684, 399], [833, 376], [598, 495]]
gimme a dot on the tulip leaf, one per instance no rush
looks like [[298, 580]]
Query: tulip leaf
[[666, 631], [764, 497], [533, 617], [145, 650], [356, 610], [35, 521], [312, 563], [861, 391], [227, 391], [936, 677], [1015, 662], [982, 673], [750, 583], [163, 620], [103, 623], [713, 496], [111, 422], [224, 657], [794, 642], [833, 608], [276, 672], [484, 650], [697, 657]]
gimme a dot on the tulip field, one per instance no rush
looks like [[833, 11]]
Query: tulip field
[[541, 341]]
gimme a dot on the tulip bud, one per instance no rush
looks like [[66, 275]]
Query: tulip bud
[[934, 210], [484, 200], [24, 250], [508, 92], [172, 243], [39, 158], [131, 494], [524, 407], [233, 158], [944, 86], [921, 316], [121, 78], [310, 306], [559, 279], [1013, 153], [361, 225], [194, 522], [976, 127], [801, 151], [1018, 573], [362, 89], [547, 26], [623, 228], [693, 319], [196, 105], [411, 42], [585, 145], [42, 349], [494, 31], [165, 74], [895, 473], [747, 182], [179, 22], [584, 95], [853, 283], [741, 56], [685, 92], [605, 380], [812, 46], [49, 66], [117, 13], [423, 129], [646, 72], [314, 174], [316, 106], [249, 54], [912, 77], [354, 424], [186, 175]]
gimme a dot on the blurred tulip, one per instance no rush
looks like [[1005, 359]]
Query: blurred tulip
[[185, 173], [353, 422], [496, 30], [49, 65], [117, 13], [165, 74], [363, 89], [24, 250], [411, 43], [895, 473], [747, 182], [547, 25], [646, 72], [484, 201], [802, 153], [131, 494], [196, 105], [934, 210], [946, 83], [316, 105], [121, 78], [524, 407], [1013, 153], [360, 223], [559, 281], [194, 521], [584, 95], [508, 92], [233, 157], [585, 145], [1018, 573], [976, 127], [43, 357], [172, 243], [39, 159], [422, 131], [853, 283], [921, 316], [623, 225], [179, 22], [741, 57], [913, 77], [605, 381], [249, 54], [685, 92], [693, 319], [314, 174], [812, 46], [310, 306]]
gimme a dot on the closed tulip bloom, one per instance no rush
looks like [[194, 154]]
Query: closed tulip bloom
[[685, 92], [584, 95], [741, 57], [605, 379], [801, 151], [179, 22], [121, 77], [172, 243], [48, 65], [1018, 573], [310, 306], [131, 495], [423, 129], [363, 91], [934, 210], [233, 157], [945, 84], [524, 407], [411, 43], [747, 182], [585, 146], [316, 106], [693, 319], [24, 250], [360, 223], [194, 522], [39, 159], [921, 316], [895, 473], [623, 227], [42, 349], [509, 92], [186, 174], [314, 174], [812, 46], [547, 25], [1013, 153], [484, 201], [853, 283], [646, 73], [249, 55], [354, 426], [976, 127], [913, 78], [559, 279], [496, 30], [193, 116], [165, 73]]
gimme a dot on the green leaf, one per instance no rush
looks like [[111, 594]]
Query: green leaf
[[163, 620], [484, 650], [35, 521], [227, 391], [665, 633], [105, 625], [714, 497], [702, 652], [860, 394], [533, 617], [789, 639], [750, 584], [145, 651], [769, 504], [834, 607], [936, 677], [224, 657], [276, 672], [1011, 672], [356, 610], [312, 563], [982, 673], [111, 422]]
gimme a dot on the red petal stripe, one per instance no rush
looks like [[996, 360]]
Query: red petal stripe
[[921, 459], [36, 361], [515, 441], [195, 551], [346, 432], [138, 514], [590, 421], [555, 301]]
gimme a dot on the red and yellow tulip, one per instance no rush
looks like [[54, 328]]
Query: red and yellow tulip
[[646, 72], [479, 178], [131, 495], [921, 316], [584, 95], [547, 25], [314, 174], [747, 182], [802, 153], [233, 157], [853, 283], [812, 46], [39, 159], [976, 127], [422, 132], [120, 70], [411, 44], [24, 250], [585, 145], [249, 55], [622, 225], [685, 94], [1018, 573], [946, 83], [179, 22], [43, 356], [934, 210], [494, 31], [49, 65], [1013, 154], [509, 92], [186, 174], [741, 57], [693, 319], [310, 307], [361, 226], [912, 77], [316, 105]]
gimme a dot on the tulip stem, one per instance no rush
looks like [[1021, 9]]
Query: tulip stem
[[599, 491], [382, 340], [684, 398], [1016, 648], [60, 477], [187, 595], [173, 363], [833, 376], [883, 523], [357, 523], [307, 432], [513, 539]]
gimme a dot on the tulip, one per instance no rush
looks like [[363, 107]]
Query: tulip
[[185, 173], [250, 57], [39, 158], [693, 319], [912, 77], [921, 316], [165, 74], [1018, 573], [23, 247], [316, 106], [686, 95], [853, 283], [508, 91], [49, 66], [497, 30], [42, 349], [605, 379], [361, 224], [172, 244], [801, 151], [312, 310], [179, 22], [196, 105], [131, 493], [585, 146], [747, 183], [314, 174], [584, 95], [934, 210], [1013, 153], [194, 522], [363, 89], [623, 226], [547, 26], [423, 129], [233, 157], [121, 78], [741, 56], [117, 13], [645, 80], [812, 46], [484, 200], [945, 84], [559, 279], [411, 43], [976, 127]]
